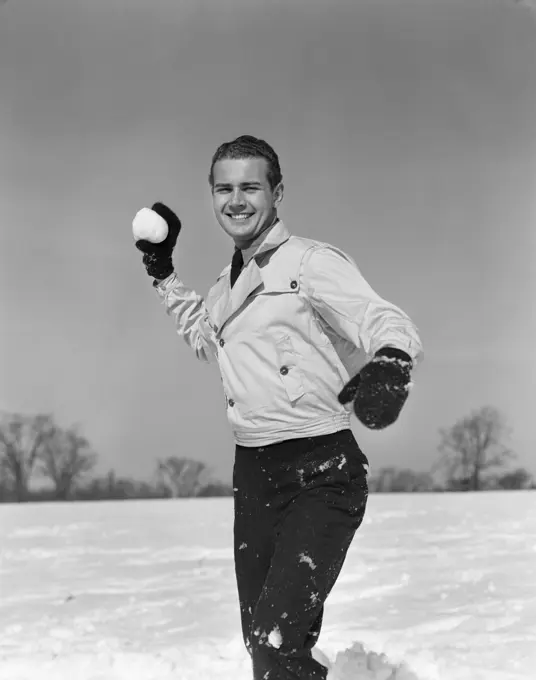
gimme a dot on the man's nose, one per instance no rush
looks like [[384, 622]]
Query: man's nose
[[237, 199]]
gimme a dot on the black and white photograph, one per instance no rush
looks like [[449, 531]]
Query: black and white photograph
[[267, 339]]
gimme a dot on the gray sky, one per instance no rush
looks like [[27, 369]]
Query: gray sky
[[406, 131]]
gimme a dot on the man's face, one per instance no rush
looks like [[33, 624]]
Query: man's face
[[244, 203]]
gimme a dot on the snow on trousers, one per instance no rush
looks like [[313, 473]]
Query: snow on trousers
[[298, 504]]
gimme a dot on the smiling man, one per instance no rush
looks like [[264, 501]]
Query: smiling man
[[301, 341], [244, 201]]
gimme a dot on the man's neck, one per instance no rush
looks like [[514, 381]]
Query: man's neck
[[250, 247]]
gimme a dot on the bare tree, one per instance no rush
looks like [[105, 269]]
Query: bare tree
[[516, 479], [391, 479], [182, 476], [472, 446], [22, 438], [382, 479], [411, 481], [65, 458]]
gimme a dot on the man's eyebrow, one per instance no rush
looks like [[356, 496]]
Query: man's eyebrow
[[247, 183]]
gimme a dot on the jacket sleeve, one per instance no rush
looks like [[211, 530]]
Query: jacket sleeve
[[192, 320], [343, 298]]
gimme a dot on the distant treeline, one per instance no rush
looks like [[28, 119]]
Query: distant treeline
[[112, 487], [385, 480], [35, 448]]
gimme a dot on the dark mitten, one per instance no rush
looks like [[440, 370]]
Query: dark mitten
[[157, 257], [380, 389]]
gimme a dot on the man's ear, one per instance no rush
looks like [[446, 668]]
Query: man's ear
[[278, 194]]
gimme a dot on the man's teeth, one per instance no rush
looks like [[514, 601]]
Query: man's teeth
[[241, 216]]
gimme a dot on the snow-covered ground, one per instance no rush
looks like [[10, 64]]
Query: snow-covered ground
[[444, 584]]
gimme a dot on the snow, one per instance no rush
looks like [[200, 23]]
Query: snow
[[275, 639], [444, 584], [308, 560]]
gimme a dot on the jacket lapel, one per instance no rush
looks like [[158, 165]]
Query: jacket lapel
[[223, 301], [248, 281]]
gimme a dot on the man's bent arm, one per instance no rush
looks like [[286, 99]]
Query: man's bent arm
[[192, 321], [343, 298]]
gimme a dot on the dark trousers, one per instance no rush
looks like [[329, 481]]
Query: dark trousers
[[298, 504]]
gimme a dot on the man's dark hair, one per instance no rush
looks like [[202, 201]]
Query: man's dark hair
[[247, 146]]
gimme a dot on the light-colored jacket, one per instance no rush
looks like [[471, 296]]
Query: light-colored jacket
[[299, 322]]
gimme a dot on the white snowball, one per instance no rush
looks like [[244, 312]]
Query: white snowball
[[148, 225]]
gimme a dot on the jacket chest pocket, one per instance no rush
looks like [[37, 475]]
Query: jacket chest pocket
[[289, 369]]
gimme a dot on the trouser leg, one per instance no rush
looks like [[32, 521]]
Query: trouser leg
[[253, 534], [312, 508]]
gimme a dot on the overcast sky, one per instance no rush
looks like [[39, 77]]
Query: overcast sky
[[406, 131]]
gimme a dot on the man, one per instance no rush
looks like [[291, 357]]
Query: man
[[290, 323]]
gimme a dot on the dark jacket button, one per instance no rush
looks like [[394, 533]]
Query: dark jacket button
[[231, 403], [293, 284], [283, 370], [222, 342]]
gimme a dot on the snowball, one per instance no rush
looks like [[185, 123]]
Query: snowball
[[149, 226]]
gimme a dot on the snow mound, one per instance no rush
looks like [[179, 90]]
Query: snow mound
[[201, 662], [356, 662]]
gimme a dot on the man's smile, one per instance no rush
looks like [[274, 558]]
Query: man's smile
[[240, 217]]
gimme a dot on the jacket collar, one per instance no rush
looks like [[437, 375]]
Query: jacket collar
[[223, 301], [269, 240], [273, 237]]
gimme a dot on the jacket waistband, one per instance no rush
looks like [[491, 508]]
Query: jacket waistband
[[255, 438]]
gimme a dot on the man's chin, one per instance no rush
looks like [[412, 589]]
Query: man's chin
[[244, 235]]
